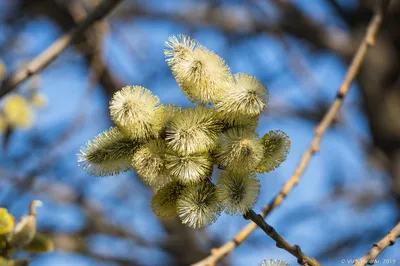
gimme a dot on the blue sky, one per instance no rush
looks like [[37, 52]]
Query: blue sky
[[317, 221]]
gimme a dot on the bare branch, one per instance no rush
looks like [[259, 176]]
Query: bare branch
[[295, 250], [377, 248], [368, 41], [54, 50]]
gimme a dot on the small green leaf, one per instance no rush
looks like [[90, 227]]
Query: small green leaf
[[40, 243], [5, 262]]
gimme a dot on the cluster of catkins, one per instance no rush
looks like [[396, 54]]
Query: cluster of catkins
[[175, 150]]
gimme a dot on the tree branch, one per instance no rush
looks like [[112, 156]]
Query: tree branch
[[378, 247], [368, 41], [295, 250], [54, 50]]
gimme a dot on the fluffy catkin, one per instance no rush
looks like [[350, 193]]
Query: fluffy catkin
[[193, 130], [198, 205], [237, 194], [202, 75], [245, 98], [108, 154], [149, 163], [276, 146], [136, 112], [189, 169], [239, 151], [165, 199]]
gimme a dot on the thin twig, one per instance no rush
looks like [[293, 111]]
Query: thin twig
[[54, 50], [368, 41], [377, 248], [295, 250]]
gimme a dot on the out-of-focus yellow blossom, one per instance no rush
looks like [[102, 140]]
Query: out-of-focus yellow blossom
[[6, 221], [18, 112]]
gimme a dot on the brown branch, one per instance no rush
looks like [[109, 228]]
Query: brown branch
[[377, 248], [295, 250], [54, 50], [368, 41]]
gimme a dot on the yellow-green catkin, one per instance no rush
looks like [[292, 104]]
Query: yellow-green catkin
[[189, 169], [149, 163], [237, 194], [136, 112], [198, 205], [169, 112], [239, 151], [17, 112], [245, 98], [202, 75], [165, 199], [193, 130], [108, 154], [276, 145]]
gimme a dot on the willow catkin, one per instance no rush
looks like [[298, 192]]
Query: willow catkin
[[239, 151], [149, 163], [202, 75], [108, 154], [276, 146], [164, 202], [198, 205], [193, 130], [136, 112], [245, 98], [237, 194]]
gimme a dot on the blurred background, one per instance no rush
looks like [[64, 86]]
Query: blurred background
[[348, 198]]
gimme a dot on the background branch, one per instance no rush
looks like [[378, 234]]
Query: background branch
[[54, 50], [378, 247], [369, 39]]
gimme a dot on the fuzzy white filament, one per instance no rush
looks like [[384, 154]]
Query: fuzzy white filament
[[108, 154], [237, 193], [135, 111], [198, 205], [193, 130], [179, 47]]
